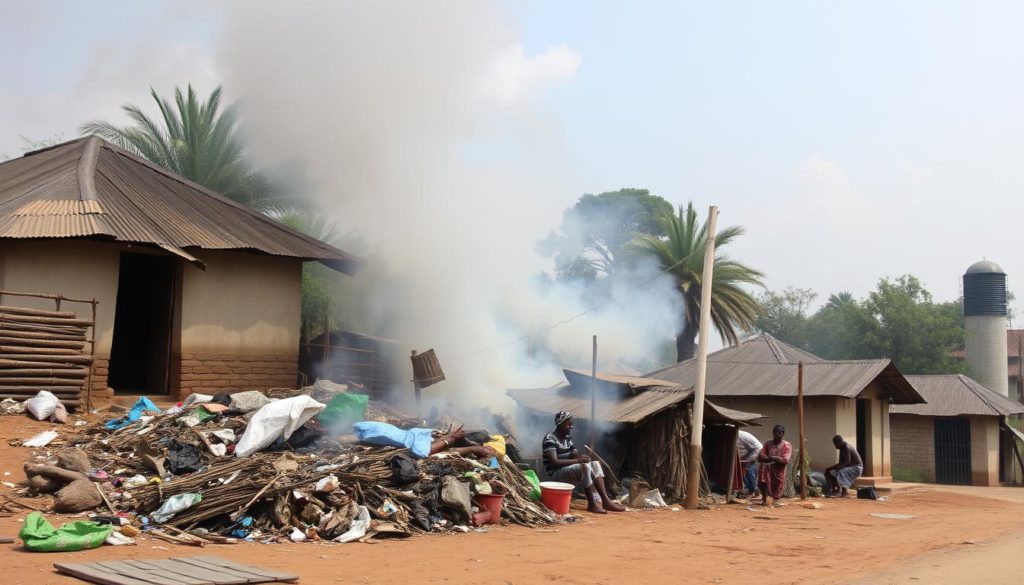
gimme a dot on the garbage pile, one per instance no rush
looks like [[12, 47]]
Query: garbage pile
[[249, 467]]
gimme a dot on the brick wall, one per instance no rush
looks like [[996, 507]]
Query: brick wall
[[913, 444], [210, 373]]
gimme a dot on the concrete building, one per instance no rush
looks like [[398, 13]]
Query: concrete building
[[195, 292], [845, 397], [954, 437]]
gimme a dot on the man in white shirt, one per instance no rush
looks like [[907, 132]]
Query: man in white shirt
[[747, 447]]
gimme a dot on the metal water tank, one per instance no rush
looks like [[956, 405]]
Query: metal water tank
[[985, 324]]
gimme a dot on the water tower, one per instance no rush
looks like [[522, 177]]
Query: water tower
[[985, 325]]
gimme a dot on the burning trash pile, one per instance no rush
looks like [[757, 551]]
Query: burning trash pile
[[250, 467]]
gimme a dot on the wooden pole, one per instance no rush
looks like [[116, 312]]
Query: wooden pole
[[593, 398], [693, 471], [733, 434], [800, 416], [416, 390]]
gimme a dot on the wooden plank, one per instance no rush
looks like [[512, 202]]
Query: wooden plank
[[95, 574], [171, 566], [149, 575], [154, 565], [248, 568], [201, 571]]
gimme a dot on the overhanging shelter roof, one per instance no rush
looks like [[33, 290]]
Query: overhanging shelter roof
[[647, 397], [956, 395], [89, 188], [765, 366]]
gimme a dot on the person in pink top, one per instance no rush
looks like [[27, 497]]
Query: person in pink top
[[774, 459]]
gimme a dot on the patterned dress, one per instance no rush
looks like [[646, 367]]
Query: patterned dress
[[773, 475]]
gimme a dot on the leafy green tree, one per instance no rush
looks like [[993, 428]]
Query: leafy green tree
[[916, 332], [198, 140], [681, 254], [596, 230], [784, 315]]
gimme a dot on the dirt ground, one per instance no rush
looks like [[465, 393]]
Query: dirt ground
[[953, 538]]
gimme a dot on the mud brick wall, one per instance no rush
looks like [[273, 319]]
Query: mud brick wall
[[209, 373], [913, 444]]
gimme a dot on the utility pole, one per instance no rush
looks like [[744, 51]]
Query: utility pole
[[697, 426], [593, 400], [800, 415]]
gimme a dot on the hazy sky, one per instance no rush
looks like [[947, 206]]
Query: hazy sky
[[852, 141]]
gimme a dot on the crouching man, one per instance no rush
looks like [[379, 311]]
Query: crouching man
[[842, 475], [563, 463]]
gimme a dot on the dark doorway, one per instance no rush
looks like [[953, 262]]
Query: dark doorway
[[143, 317], [953, 451], [862, 429]]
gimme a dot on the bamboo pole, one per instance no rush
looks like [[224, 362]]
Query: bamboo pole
[[800, 416], [697, 428], [37, 312], [593, 398], [44, 296]]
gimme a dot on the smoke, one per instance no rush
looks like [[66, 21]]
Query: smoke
[[423, 126]]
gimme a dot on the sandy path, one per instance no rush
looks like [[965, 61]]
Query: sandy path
[[727, 545]]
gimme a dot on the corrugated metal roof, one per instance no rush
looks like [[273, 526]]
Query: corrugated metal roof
[[956, 395], [629, 410], [757, 367], [90, 188]]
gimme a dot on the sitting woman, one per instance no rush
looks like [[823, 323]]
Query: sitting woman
[[563, 463]]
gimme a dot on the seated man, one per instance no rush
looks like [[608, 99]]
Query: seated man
[[564, 463], [748, 448], [841, 476]]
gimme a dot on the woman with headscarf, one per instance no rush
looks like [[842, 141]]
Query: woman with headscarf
[[563, 463]]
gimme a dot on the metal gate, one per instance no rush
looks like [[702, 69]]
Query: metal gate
[[953, 450]]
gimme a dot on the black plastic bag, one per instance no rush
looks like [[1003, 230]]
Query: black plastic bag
[[183, 458], [403, 470]]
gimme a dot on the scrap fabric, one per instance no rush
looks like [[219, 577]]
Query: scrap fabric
[[773, 475]]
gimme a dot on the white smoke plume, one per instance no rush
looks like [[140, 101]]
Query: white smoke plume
[[422, 126]]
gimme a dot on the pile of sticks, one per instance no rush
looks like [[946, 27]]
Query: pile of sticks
[[43, 350]]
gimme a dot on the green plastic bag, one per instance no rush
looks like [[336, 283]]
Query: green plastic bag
[[40, 536], [344, 409], [531, 476]]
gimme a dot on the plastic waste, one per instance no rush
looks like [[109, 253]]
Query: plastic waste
[[277, 420], [249, 401], [358, 527], [143, 404], [41, 440], [531, 476], [328, 387], [40, 536], [196, 398], [134, 481], [298, 535], [42, 405], [386, 435], [653, 499], [175, 504], [497, 443], [344, 409], [327, 484], [115, 538], [11, 406]]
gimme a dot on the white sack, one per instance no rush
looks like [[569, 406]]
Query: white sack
[[42, 405], [277, 420]]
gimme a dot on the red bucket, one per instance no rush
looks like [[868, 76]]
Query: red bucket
[[492, 503], [556, 496]]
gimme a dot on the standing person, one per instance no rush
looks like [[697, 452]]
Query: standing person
[[841, 476], [564, 463], [774, 458], [748, 448]]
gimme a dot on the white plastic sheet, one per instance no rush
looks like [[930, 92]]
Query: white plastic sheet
[[41, 440], [357, 528], [277, 420]]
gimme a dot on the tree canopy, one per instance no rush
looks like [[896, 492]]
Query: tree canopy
[[898, 320], [596, 230], [199, 141]]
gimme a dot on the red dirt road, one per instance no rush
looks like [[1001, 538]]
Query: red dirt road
[[727, 545]]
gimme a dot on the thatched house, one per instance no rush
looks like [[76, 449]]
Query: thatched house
[[195, 292], [845, 397], [643, 425], [954, 437]]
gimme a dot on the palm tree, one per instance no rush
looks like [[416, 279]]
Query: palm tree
[[681, 255], [199, 141]]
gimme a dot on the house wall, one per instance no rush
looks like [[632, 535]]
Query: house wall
[[913, 445], [824, 417], [913, 439], [239, 323], [878, 458], [238, 320], [82, 269]]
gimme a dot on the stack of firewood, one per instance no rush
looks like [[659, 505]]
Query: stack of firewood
[[43, 350]]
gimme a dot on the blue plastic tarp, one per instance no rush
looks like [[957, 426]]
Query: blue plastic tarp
[[141, 405], [385, 435]]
